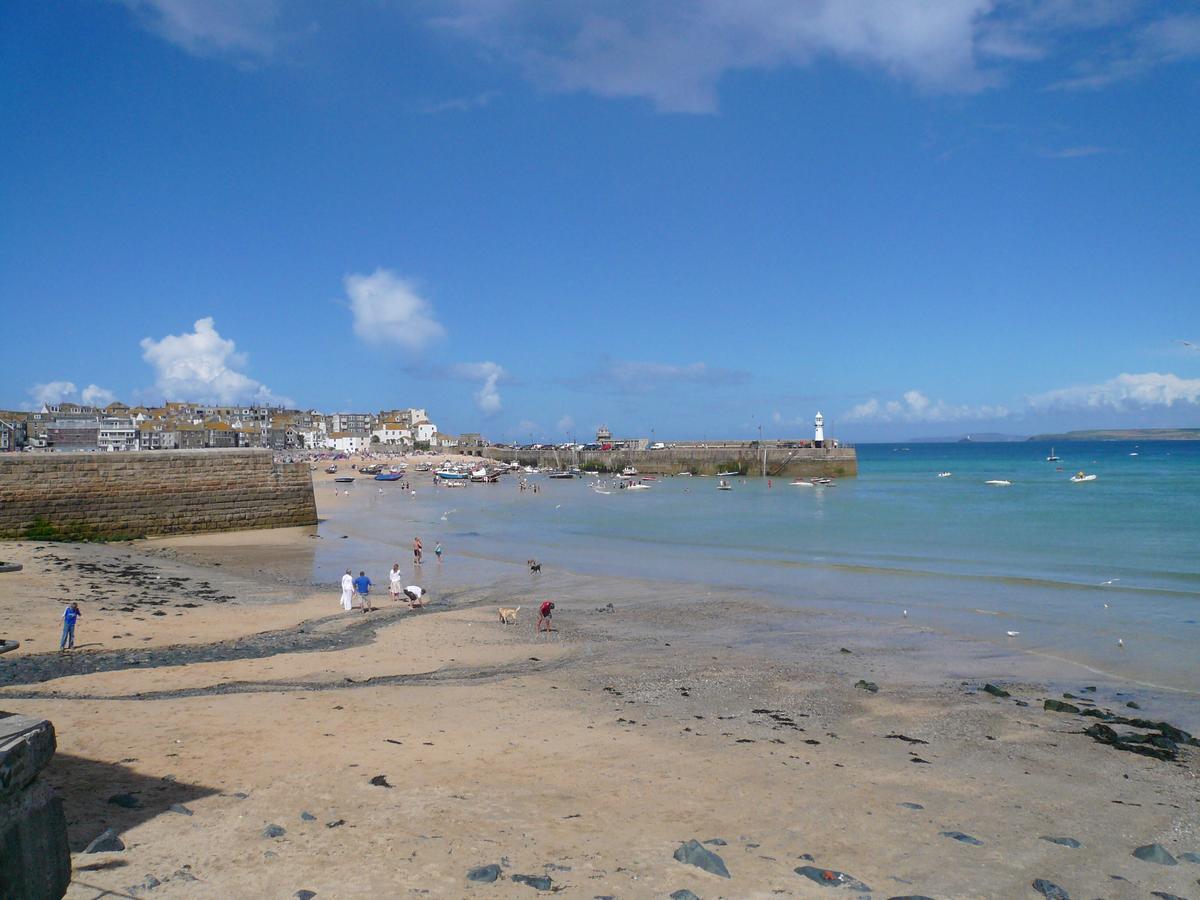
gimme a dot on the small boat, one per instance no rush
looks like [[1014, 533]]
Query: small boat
[[1134, 453], [629, 472], [388, 476], [999, 482], [822, 481], [370, 470], [344, 479], [944, 474], [1051, 457], [329, 470], [639, 487], [723, 485], [559, 475], [451, 475], [1082, 476], [799, 483], [728, 474], [685, 474]]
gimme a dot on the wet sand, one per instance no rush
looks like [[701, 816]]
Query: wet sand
[[587, 756]]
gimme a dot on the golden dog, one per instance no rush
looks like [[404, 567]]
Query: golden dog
[[508, 615]]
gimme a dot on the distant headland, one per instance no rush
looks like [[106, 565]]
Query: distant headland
[[1124, 434]]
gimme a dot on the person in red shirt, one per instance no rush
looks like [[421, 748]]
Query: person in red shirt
[[544, 613]]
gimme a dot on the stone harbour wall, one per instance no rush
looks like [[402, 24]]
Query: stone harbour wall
[[745, 458], [35, 860], [113, 495]]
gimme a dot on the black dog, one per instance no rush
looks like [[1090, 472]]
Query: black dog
[[534, 565]]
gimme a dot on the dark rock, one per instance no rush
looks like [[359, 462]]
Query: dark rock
[[963, 838], [1155, 853], [307, 817], [1190, 857], [807, 857], [1020, 703], [832, 878], [539, 882], [1050, 890], [990, 688], [485, 874], [304, 895], [911, 897], [1064, 841], [906, 739], [148, 885], [106, 842], [336, 823], [1132, 704], [717, 842], [1090, 689], [1155, 746], [125, 801], [867, 686], [844, 650], [1059, 706], [908, 805], [695, 855], [274, 831], [684, 894], [1165, 896], [380, 781], [179, 808]]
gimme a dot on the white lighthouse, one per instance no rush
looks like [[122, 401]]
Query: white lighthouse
[[819, 437]]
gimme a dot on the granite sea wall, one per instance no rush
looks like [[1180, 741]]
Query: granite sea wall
[[116, 495]]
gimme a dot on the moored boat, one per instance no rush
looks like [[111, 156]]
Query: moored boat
[[1082, 476], [388, 476], [344, 479]]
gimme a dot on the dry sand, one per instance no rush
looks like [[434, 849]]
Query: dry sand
[[586, 756]]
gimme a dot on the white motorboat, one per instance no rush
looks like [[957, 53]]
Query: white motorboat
[[1081, 476], [944, 474], [728, 474], [639, 487], [724, 485], [629, 472], [799, 483], [999, 482]]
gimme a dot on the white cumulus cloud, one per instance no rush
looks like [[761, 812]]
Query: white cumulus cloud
[[388, 309], [913, 406], [201, 366], [487, 398], [54, 392], [1125, 392]]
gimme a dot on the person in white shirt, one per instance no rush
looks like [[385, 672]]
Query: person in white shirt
[[394, 578], [416, 596], [347, 591]]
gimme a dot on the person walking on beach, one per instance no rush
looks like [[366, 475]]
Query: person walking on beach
[[362, 585], [70, 616], [347, 591], [394, 578], [417, 551], [545, 611], [437, 551]]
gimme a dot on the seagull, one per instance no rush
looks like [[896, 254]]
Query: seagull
[[906, 614], [1110, 581], [1120, 642], [1012, 633], [1106, 606], [1188, 344], [559, 506]]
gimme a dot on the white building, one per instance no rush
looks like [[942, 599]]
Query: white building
[[819, 436], [348, 442], [424, 432], [392, 434], [117, 434]]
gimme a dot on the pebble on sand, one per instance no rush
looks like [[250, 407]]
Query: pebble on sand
[[485, 874], [1155, 853], [684, 894], [963, 838], [180, 808], [1050, 890], [106, 842], [304, 895], [538, 882], [865, 685], [694, 854], [1063, 841], [832, 878], [274, 831]]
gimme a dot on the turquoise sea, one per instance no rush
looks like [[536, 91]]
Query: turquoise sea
[[1072, 567]]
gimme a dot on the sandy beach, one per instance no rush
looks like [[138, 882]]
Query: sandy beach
[[254, 741]]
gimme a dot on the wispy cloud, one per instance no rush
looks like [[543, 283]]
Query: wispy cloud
[[245, 29], [1125, 392], [914, 406], [1075, 152], [201, 365], [487, 398], [388, 310], [457, 104], [1136, 52], [639, 376]]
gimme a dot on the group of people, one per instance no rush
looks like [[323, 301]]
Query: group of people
[[359, 589]]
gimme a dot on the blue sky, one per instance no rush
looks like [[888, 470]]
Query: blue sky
[[534, 217]]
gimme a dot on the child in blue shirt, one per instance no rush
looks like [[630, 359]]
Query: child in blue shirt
[[70, 616]]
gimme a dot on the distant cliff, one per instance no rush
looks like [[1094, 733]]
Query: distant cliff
[[1124, 434]]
